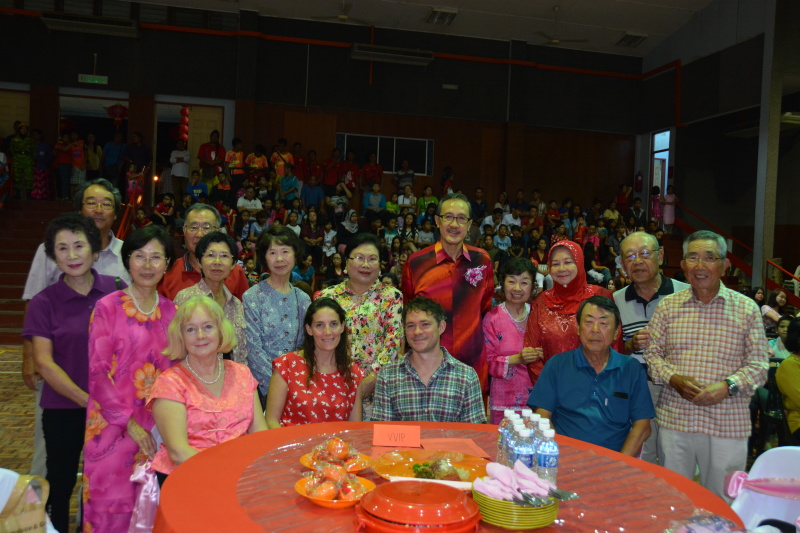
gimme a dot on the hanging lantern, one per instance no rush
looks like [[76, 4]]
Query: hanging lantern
[[184, 111], [184, 137], [184, 121], [118, 112], [184, 129]]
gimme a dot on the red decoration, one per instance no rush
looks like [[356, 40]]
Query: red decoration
[[184, 121], [118, 112], [184, 111], [184, 129], [184, 137]]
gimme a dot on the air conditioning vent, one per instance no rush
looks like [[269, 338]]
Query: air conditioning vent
[[631, 39], [390, 54], [88, 24]]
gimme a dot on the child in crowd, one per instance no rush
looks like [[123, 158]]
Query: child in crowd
[[397, 269], [429, 214], [328, 241], [259, 226], [250, 271], [164, 211], [241, 233], [592, 237], [394, 251], [267, 208], [298, 210], [560, 234], [257, 163], [536, 221], [409, 231], [602, 230], [235, 161], [390, 280], [280, 211], [196, 186], [488, 231], [141, 219], [392, 206], [263, 190], [502, 241], [553, 217], [407, 199], [390, 231], [581, 231], [304, 270], [230, 215], [517, 248], [426, 199], [134, 179], [425, 235], [292, 223], [514, 218]]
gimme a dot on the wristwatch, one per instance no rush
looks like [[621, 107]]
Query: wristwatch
[[733, 388]]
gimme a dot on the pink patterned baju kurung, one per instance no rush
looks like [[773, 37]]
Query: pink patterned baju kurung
[[124, 361]]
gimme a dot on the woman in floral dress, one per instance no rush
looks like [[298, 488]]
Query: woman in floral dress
[[373, 311], [126, 336]]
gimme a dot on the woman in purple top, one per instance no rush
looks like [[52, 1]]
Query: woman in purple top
[[504, 332], [57, 323]]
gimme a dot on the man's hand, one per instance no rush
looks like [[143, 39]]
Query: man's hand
[[29, 374], [641, 340], [713, 394], [687, 387]]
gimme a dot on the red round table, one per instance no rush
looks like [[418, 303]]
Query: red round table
[[246, 485]]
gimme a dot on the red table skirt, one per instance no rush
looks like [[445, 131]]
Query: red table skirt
[[247, 485]]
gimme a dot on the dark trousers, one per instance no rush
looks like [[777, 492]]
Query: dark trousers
[[64, 180], [63, 439]]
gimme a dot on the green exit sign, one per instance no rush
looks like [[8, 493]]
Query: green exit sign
[[93, 78]]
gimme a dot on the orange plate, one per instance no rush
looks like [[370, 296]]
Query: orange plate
[[401, 463], [363, 462], [300, 487]]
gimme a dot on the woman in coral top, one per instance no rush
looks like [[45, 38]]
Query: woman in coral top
[[204, 400], [126, 335], [319, 383]]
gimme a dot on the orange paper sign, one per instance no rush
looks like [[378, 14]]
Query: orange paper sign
[[394, 436]]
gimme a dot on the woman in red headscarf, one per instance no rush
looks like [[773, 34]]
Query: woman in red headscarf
[[552, 326]]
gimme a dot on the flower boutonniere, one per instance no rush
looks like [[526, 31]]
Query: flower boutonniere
[[474, 275]]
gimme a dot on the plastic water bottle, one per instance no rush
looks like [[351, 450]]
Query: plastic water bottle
[[502, 435], [511, 447], [525, 451], [526, 413], [547, 457]]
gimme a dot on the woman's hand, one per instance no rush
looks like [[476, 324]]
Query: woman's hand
[[142, 437], [367, 385], [526, 356]]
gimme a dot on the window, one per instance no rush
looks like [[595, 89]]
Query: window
[[660, 159], [391, 151]]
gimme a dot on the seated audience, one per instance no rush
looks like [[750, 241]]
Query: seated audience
[[319, 383], [593, 393], [203, 391], [428, 383], [772, 311], [788, 378]]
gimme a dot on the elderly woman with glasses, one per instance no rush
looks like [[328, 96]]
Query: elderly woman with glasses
[[127, 333], [274, 309], [217, 254], [372, 310], [200, 220]]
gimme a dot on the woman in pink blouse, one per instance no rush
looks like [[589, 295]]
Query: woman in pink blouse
[[504, 332], [204, 400], [319, 383]]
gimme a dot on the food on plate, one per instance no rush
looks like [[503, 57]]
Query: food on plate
[[332, 482], [325, 490], [441, 469], [337, 451], [337, 448]]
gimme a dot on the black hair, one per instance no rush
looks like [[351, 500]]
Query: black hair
[[76, 223], [793, 337], [139, 239], [425, 305], [215, 236], [279, 236], [235, 141], [516, 267], [455, 196], [772, 301], [360, 239], [602, 302], [342, 355]]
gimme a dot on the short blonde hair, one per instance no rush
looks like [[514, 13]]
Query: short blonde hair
[[176, 349]]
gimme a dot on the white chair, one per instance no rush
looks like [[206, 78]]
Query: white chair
[[753, 507]]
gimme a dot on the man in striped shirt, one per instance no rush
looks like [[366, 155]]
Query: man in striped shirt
[[707, 344], [641, 258]]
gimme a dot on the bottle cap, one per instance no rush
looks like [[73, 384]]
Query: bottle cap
[[527, 412], [535, 418], [518, 424], [508, 412], [524, 433], [544, 423], [549, 433]]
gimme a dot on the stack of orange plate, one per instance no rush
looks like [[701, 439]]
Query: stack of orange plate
[[509, 515]]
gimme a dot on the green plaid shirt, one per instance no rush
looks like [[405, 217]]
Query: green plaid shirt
[[453, 394]]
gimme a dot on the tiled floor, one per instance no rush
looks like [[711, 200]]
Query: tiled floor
[[16, 419]]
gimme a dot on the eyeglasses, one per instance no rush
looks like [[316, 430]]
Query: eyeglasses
[[365, 260], [141, 259], [642, 254], [460, 219], [205, 228], [707, 259], [224, 257], [106, 205]]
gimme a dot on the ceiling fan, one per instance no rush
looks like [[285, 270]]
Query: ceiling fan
[[344, 15], [554, 40]]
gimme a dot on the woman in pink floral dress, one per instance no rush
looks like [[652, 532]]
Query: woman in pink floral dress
[[504, 331], [126, 335]]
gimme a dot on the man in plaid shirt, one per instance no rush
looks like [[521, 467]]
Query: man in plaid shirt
[[428, 383], [707, 343]]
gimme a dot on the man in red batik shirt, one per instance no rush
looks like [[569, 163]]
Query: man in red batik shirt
[[460, 278]]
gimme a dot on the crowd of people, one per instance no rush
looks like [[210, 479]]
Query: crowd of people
[[426, 308]]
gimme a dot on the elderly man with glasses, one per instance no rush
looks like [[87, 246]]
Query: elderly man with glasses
[[707, 345], [641, 259], [185, 272], [457, 276]]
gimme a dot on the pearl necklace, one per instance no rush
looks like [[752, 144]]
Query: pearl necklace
[[219, 370], [136, 304]]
